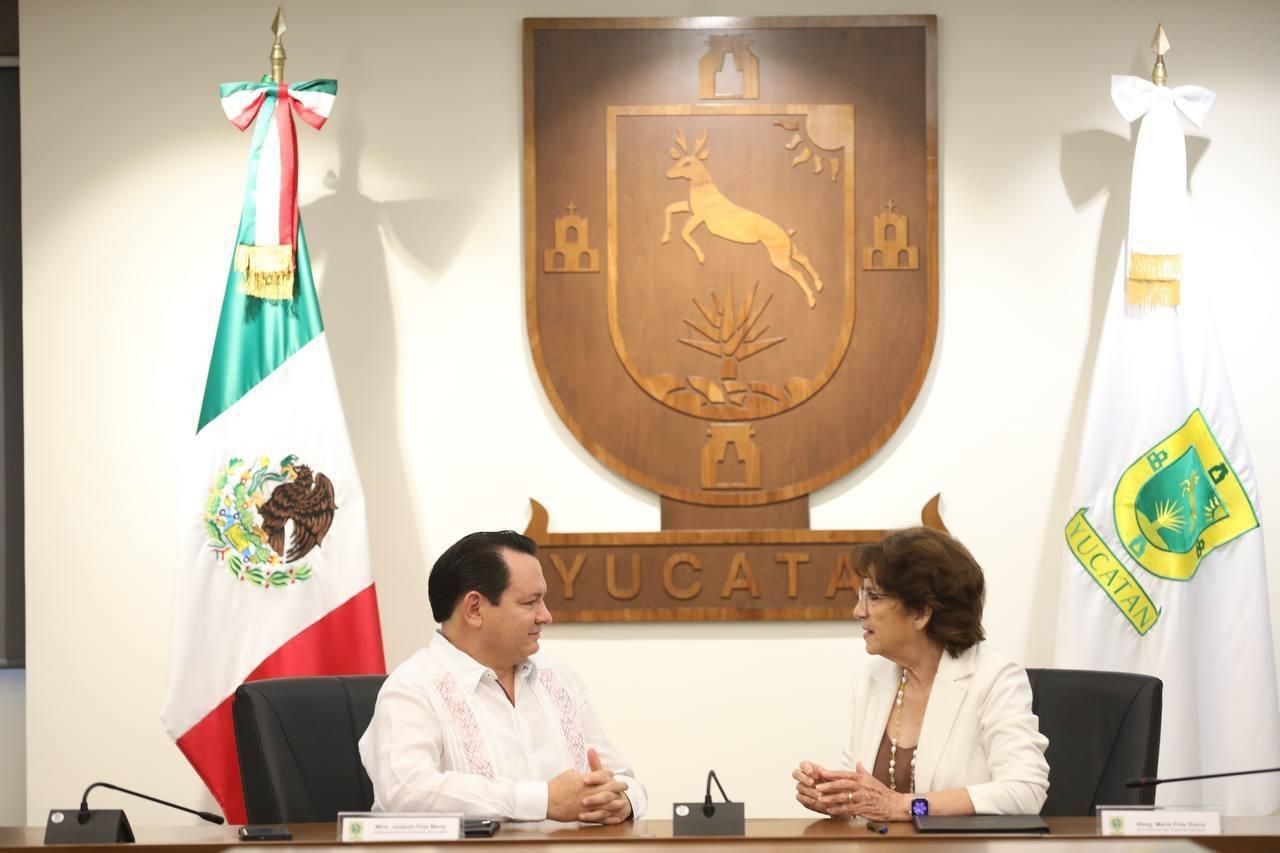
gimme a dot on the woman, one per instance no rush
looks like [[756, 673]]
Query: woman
[[936, 714]]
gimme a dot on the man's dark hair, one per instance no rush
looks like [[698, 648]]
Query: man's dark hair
[[474, 562]]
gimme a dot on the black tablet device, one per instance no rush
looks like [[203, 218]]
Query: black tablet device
[[981, 823]]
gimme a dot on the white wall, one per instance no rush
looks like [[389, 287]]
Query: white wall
[[132, 186]]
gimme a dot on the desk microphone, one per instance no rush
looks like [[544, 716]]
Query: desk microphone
[[708, 818], [103, 826], [707, 808], [1151, 781]]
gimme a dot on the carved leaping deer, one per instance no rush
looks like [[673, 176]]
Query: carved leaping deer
[[727, 220]]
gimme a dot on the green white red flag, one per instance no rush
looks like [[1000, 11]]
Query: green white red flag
[[274, 578]]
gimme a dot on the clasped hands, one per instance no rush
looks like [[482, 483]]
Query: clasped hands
[[845, 793], [592, 797]]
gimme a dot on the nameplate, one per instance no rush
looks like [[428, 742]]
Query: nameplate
[[1128, 820], [366, 826]]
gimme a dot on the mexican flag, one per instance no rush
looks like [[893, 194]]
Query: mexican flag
[[1164, 572], [274, 578]]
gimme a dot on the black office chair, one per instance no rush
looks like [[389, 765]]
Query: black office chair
[[297, 742], [1103, 728]]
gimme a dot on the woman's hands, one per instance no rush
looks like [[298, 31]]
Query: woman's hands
[[842, 793], [808, 775]]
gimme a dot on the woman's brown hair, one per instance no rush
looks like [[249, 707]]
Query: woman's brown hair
[[927, 568]]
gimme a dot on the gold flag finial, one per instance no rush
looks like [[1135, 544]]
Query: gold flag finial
[[277, 47], [1160, 46]]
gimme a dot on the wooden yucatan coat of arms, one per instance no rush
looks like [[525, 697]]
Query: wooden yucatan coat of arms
[[731, 276]]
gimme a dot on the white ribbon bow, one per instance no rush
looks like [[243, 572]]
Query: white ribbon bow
[[1133, 96]]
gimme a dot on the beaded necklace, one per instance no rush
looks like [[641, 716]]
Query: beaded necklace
[[893, 740]]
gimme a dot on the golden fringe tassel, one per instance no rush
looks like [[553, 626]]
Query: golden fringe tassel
[[266, 271], [1154, 280], [1155, 267], [1153, 294]]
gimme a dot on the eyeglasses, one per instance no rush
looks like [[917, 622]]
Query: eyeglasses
[[871, 598]]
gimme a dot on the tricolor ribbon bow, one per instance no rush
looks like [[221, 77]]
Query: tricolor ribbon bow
[[266, 249], [1133, 97]]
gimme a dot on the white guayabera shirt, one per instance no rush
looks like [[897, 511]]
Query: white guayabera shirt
[[445, 738]]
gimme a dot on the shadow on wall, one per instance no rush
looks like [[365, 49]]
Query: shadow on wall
[[346, 232], [1093, 163]]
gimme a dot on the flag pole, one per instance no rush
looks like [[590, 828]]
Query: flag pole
[[277, 47], [1159, 46]]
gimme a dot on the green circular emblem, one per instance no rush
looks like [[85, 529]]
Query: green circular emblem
[[1179, 501], [235, 525]]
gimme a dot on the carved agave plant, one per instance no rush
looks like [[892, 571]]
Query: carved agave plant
[[729, 332]]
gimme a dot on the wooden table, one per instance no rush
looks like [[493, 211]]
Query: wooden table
[[810, 836]]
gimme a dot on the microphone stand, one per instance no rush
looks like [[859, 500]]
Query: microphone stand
[[1149, 782], [707, 808], [708, 818], [84, 803], [85, 826]]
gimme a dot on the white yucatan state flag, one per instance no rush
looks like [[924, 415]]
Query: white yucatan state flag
[[1164, 570], [274, 577]]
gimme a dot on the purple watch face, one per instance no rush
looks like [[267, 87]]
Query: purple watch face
[[920, 806]]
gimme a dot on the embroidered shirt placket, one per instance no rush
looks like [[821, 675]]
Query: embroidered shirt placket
[[464, 723], [570, 725]]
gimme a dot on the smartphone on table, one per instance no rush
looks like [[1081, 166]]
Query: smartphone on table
[[265, 833], [480, 827]]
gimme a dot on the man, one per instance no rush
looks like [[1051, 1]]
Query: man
[[478, 722]]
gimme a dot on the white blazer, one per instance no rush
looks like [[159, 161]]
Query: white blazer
[[978, 731]]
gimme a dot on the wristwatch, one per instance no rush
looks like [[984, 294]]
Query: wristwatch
[[919, 806]]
